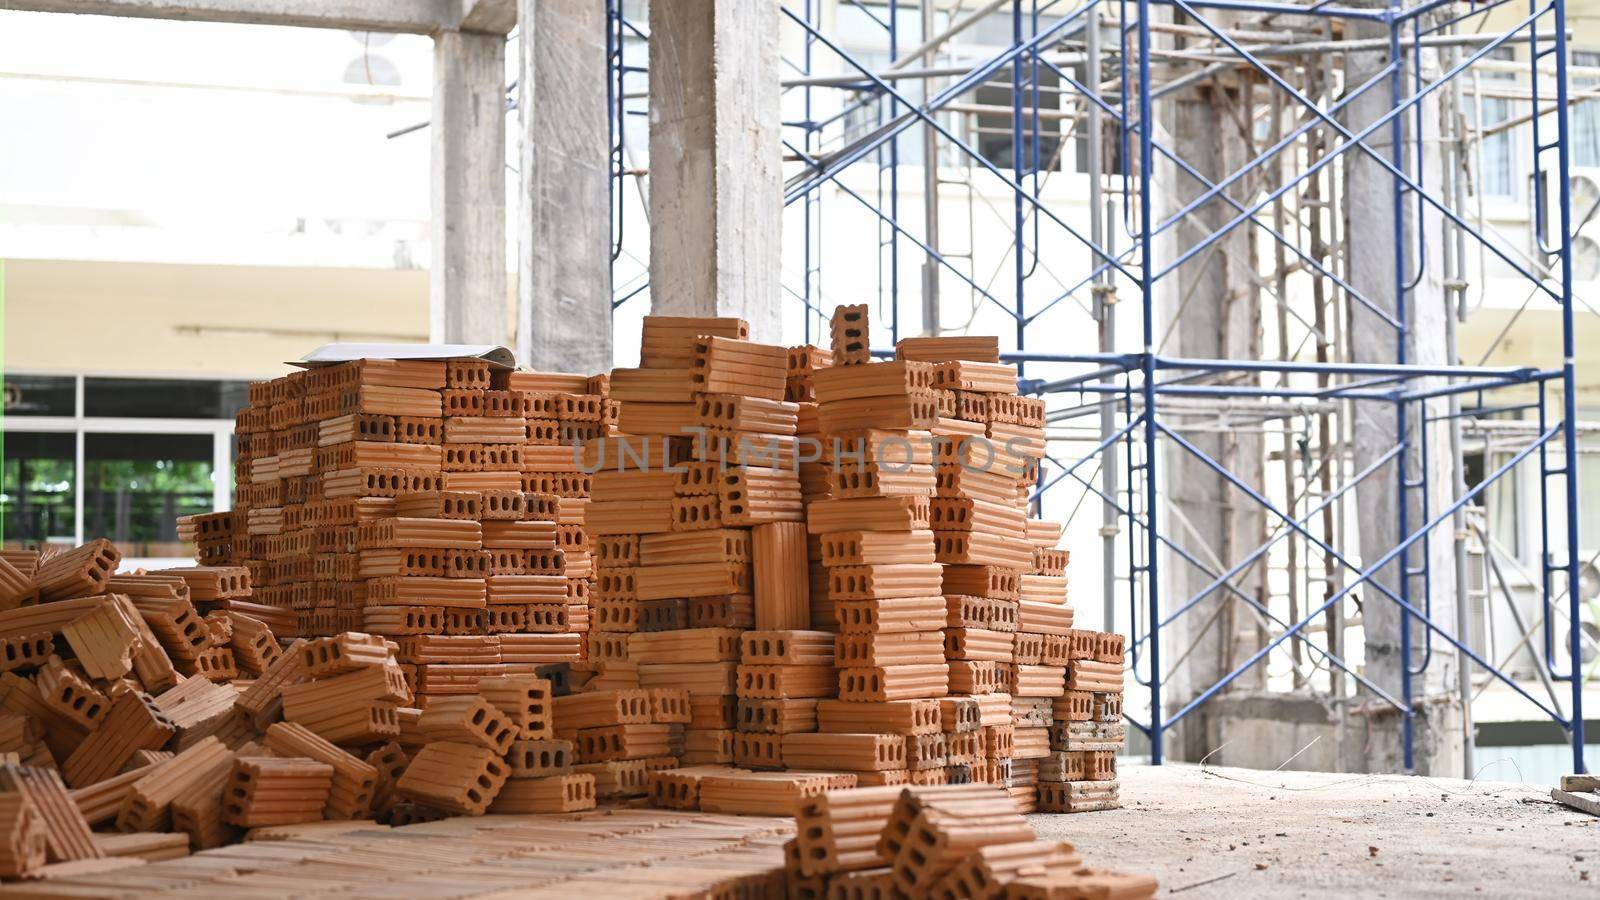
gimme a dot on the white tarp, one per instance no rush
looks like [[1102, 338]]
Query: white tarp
[[328, 354]]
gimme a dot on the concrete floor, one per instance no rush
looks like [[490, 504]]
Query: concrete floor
[[1227, 832]]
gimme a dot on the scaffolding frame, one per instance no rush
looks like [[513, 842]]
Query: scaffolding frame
[[1137, 395]]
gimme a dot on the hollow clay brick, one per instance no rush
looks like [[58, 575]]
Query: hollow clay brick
[[732, 366], [133, 723], [666, 341], [70, 695], [850, 752], [893, 682], [525, 700], [276, 791], [79, 572], [637, 741], [16, 588], [780, 589], [598, 709], [540, 758], [695, 645], [350, 792], [784, 681], [620, 779], [22, 836], [777, 716], [1095, 676], [389, 761], [1078, 796], [872, 514], [460, 778], [26, 651], [197, 812], [555, 794], [147, 805], [103, 641], [67, 834], [467, 720], [943, 834], [983, 874], [848, 329], [707, 746]]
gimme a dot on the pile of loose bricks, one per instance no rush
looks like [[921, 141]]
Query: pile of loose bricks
[[948, 842], [148, 704], [736, 579]]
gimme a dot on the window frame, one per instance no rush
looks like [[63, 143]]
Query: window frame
[[79, 425]]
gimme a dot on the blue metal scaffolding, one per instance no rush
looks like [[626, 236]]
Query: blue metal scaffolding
[[1134, 391]]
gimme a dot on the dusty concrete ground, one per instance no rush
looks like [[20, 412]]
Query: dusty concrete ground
[[1226, 832]]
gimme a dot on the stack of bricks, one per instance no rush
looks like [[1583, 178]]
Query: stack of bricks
[[1086, 730], [988, 463], [816, 473], [617, 737], [949, 842], [878, 556], [436, 502], [697, 516]]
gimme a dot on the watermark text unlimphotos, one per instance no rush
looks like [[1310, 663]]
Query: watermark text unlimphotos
[[890, 452]]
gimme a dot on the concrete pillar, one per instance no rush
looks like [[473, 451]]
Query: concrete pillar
[[1218, 313], [467, 288], [564, 237], [1369, 204], [716, 181]]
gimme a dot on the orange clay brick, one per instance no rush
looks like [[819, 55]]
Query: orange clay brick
[[276, 791], [837, 830], [467, 720], [459, 778], [147, 806], [851, 752], [103, 641], [350, 793], [525, 700], [133, 723], [70, 695], [80, 572], [67, 835], [556, 794], [22, 836], [343, 653]]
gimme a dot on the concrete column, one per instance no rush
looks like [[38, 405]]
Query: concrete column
[[467, 287], [1371, 235], [1218, 313], [716, 187], [564, 239]]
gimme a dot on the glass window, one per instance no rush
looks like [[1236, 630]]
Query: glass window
[[135, 486], [1500, 178], [36, 488], [39, 395], [996, 134], [1586, 114], [163, 398]]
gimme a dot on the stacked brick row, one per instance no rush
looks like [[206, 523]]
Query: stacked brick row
[[882, 579], [1086, 730], [436, 502], [698, 522], [949, 841], [989, 440]]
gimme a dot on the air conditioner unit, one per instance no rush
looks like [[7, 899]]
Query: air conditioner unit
[[1583, 185]]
